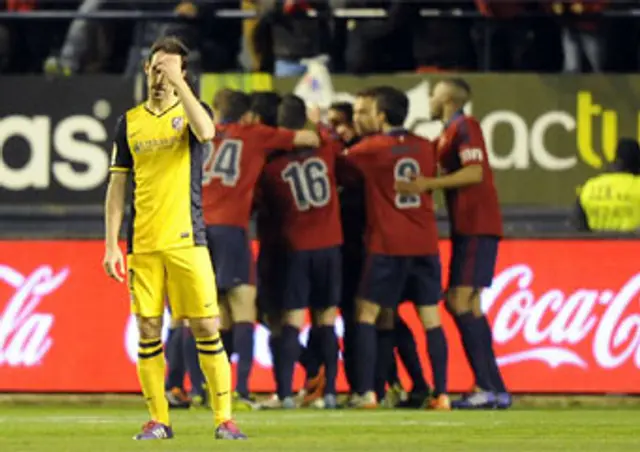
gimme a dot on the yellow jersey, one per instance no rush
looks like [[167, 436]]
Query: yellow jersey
[[166, 160], [611, 202]]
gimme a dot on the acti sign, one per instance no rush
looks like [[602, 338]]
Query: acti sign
[[565, 315]]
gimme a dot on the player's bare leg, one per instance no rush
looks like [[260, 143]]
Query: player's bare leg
[[244, 312], [288, 354], [438, 355], [460, 304], [365, 343], [151, 371], [217, 371], [325, 321]]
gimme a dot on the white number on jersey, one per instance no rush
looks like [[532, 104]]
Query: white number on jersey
[[406, 168], [224, 163], [309, 183]]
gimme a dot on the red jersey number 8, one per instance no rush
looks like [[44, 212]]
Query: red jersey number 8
[[405, 169]]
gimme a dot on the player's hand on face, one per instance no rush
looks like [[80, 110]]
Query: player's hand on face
[[171, 67], [113, 264]]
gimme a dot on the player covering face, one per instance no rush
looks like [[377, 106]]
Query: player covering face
[[402, 242], [476, 227], [161, 142], [239, 154]]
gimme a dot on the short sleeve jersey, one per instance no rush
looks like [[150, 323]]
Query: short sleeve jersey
[[233, 168], [397, 225], [165, 160], [474, 209], [302, 184]]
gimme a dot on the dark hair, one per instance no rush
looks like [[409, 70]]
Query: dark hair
[[220, 98], [292, 112], [460, 84], [265, 105], [369, 92], [627, 156], [233, 105], [394, 104], [171, 45], [345, 108]]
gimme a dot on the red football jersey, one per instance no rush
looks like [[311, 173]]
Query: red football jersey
[[232, 170], [397, 225], [474, 209], [303, 184]]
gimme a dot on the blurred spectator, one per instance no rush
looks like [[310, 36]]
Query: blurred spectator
[[295, 36], [442, 43], [611, 201], [28, 41], [147, 32], [512, 40], [5, 48], [379, 45], [581, 37], [220, 39], [249, 57], [85, 48]]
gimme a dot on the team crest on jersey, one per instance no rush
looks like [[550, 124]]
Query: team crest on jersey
[[177, 123]]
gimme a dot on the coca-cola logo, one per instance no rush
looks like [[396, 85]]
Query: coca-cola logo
[[24, 333], [554, 324]]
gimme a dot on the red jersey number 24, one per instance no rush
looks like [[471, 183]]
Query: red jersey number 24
[[223, 163]]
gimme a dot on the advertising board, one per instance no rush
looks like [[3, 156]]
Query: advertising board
[[565, 316]]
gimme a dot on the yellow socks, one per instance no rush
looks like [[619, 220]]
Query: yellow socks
[[151, 371], [217, 371]]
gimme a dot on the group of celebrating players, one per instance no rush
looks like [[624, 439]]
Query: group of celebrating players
[[345, 220]]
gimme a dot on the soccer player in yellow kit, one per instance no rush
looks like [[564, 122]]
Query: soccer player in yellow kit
[[161, 144]]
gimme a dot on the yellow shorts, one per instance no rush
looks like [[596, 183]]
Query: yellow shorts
[[184, 275]]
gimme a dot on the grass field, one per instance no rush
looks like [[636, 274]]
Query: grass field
[[35, 428]]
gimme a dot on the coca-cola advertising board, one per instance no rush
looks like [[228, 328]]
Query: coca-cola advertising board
[[565, 315]]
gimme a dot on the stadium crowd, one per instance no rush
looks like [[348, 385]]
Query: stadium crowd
[[521, 35]]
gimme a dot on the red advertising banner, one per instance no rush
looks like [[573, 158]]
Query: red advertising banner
[[565, 316]]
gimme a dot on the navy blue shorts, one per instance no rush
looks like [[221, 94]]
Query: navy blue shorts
[[473, 260], [313, 279], [231, 256], [388, 280]]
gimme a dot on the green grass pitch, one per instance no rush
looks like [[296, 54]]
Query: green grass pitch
[[109, 429]]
